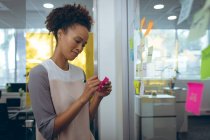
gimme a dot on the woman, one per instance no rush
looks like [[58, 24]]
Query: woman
[[60, 98]]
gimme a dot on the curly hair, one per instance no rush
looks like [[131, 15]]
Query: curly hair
[[67, 16]]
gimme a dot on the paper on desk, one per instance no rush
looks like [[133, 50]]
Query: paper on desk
[[185, 10], [205, 63], [200, 22]]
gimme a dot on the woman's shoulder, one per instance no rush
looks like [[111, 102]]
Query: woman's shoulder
[[38, 76], [38, 70]]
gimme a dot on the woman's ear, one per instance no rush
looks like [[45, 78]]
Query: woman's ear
[[59, 33]]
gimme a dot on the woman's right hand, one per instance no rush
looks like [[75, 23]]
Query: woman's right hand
[[91, 87]]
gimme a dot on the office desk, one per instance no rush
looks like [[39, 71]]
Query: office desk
[[19, 118], [22, 114]]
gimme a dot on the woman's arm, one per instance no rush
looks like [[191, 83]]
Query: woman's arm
[[41, 101], [97, 99], [64, 119], [94, 104]]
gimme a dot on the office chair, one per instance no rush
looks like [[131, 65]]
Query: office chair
[[4, 123]]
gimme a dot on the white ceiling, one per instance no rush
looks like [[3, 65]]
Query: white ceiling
[[172, 7], [31, 13], [12, 14]]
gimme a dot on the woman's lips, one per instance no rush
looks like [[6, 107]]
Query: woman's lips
[[75, 53]]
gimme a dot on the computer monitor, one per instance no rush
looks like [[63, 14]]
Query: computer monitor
[[14, 87], [13, 103]]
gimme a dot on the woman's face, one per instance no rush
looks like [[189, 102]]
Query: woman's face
[[72, 41]]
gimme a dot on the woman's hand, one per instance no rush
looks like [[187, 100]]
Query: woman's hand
[[105, 91], [90, 88], [97, 99]]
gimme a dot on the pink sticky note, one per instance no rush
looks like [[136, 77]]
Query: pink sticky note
[[103, 83], [194, 97]]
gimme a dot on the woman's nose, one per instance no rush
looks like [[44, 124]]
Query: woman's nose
[[80, 47]]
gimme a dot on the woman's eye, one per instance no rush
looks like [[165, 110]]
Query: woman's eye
[[77, 41]]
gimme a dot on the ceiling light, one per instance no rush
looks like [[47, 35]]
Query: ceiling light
[[48, 5], [159, 6], [172, 17]]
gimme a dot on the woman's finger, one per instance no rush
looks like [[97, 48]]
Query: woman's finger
[[93, 78], [93, 81], [93, 84], [106, 93], [109, 89]]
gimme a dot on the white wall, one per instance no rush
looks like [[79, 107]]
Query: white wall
[[106, 67], [111, 29]]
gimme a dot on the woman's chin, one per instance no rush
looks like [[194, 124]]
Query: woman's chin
[[71, 58]]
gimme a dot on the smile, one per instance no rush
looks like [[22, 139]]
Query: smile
[[75, 53]]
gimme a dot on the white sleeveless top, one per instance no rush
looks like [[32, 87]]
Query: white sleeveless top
[[65, 88]]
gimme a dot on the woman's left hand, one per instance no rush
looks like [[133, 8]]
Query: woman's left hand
[[105, 91]]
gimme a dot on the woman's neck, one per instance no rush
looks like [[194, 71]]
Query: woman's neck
[[60, 60]]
